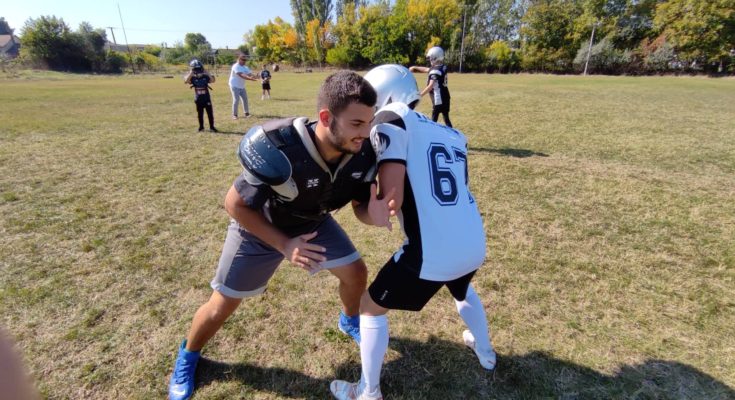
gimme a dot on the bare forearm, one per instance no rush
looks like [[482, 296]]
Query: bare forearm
[[427, 89], [254, 221], [361, 212]]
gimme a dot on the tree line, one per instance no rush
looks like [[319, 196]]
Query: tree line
[[558, 36], [49, 42], [554, 36]]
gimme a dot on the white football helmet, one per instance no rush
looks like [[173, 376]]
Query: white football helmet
[[393, 83], [435, 55]]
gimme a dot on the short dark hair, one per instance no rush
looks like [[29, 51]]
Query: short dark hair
[[343, 88]]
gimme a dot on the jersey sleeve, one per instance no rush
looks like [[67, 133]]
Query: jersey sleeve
[[435, 75], [389, 136], [254, 194]]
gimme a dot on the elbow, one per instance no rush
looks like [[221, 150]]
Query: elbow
[[231, 203]]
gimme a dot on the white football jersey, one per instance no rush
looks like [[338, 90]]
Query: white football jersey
[[444, 234]]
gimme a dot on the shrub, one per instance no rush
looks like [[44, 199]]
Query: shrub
[[603, 58]]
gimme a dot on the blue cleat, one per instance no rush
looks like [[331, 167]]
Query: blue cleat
[[350, 326], [182, 380]]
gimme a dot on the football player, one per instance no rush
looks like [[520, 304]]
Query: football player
[[436, 85], [265, 82], [199, 80], [423, 165], [295, 173]]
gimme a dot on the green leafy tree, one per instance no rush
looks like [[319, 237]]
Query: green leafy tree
[[348, 38], [307, 10], [93, 42], [493, 20], [501, 57], [43, 38], [635, 24], [48, 41], [431, 23], [547, 35], [699, 30], [193, 42]]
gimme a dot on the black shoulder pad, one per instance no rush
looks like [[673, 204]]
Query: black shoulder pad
[[281, 132], [260, 156]]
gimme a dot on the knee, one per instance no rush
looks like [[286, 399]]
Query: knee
[[357, 275], [219, 309]]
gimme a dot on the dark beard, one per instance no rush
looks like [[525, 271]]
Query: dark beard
[[338, 141]]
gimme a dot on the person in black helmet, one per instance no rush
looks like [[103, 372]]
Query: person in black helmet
[[199, 79]]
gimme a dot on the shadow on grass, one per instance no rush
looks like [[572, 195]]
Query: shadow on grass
[[439, 369], [224, 132], [270, 116], [518, 153]]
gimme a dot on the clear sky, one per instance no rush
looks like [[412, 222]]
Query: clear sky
[[222, 22]]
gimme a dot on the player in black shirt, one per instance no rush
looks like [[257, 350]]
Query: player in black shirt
[[265, 83], [295, 173], [436, 84], [199, 79]]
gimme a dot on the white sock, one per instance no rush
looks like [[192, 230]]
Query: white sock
[[473, 314], [373, 346]]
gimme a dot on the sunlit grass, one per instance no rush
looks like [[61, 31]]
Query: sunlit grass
[[609, 206]]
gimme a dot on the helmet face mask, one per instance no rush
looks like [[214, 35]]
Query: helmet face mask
[[394, 84], [196, 65]]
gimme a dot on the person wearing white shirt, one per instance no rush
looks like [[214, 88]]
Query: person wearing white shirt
[[238, 75]]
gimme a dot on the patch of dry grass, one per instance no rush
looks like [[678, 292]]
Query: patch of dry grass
[[610, 215]]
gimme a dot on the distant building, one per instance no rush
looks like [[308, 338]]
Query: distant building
[[123, 48], [9, 46]]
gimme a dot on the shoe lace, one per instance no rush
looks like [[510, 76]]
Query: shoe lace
[[184, 370]]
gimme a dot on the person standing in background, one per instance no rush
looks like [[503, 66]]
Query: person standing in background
[[199, 79], [265, 80], [436, 84], [238, 75]]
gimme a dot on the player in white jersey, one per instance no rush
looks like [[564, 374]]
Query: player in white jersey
[[423, 170]]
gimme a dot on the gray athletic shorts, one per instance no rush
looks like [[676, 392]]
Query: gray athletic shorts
[[247, 263]]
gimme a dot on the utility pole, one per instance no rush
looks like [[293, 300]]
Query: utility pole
[[461, 48], [130, 53], [112, 31], [589, 48]]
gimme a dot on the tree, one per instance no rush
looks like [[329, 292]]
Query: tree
[[547, 35], [93, 42], [700, 30], [431, 23], [603, 57], [193, 42], [494, 20], [275, 41], [635, 24], [45, 39], [347, 50], [501, 57], [307, 10]]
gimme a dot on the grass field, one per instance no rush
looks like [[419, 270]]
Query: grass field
[[609, 204]]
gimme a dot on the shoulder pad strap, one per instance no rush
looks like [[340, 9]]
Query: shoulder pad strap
[[261, 157]]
